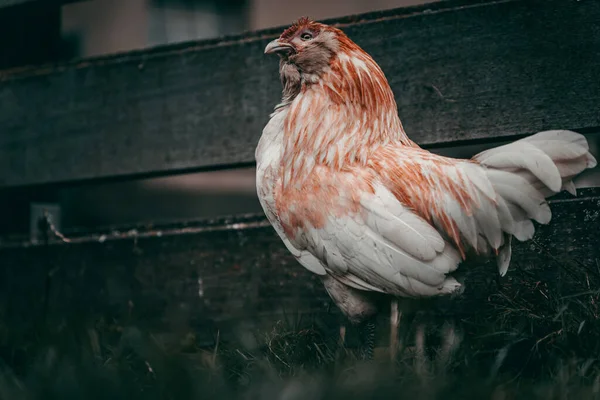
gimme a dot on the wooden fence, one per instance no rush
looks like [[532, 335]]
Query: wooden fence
[[462, 72]]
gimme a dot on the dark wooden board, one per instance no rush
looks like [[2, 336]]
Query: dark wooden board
[[460, 71], [205, 276]]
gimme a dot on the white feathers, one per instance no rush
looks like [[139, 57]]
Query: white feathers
[[516, 190], [522, 154], [570, 187], [386, 248], [527, 171], [549, 158], [400, 226], [504, 255], [591, 161]]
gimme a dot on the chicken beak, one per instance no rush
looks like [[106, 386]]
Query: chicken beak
[[277, 46]]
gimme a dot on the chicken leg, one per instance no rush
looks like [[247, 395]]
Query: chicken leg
[[394, 323], [367, 339]]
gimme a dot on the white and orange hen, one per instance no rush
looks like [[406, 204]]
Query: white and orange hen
[[363, 206]]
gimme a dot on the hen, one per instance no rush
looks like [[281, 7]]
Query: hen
[[364, 207]]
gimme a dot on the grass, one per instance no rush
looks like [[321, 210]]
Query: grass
[[529, 339]]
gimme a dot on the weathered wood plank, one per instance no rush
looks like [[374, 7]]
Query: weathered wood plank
[[459, 72], [201, 275]]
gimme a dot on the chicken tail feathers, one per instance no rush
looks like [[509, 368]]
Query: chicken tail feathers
[[526, 172]]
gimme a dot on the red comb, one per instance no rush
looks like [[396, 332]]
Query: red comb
[[302, 22]]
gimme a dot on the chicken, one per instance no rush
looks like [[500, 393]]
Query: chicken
[[364, 207]]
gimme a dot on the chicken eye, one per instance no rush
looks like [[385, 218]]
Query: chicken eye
[[306, 36]]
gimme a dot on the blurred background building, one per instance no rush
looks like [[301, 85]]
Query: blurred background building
[[108, 26]]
